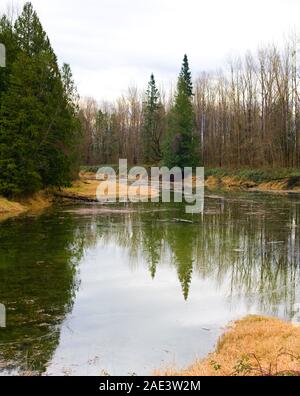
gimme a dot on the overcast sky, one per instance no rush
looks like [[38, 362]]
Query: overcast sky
[[111, 44]]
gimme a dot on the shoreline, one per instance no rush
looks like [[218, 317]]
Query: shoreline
[[283, 181], [252, 346], [13, 208], [84, 189]]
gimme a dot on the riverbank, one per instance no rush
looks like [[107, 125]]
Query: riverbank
[[281, 180], [253, 346], [264, 180], [85, 188], [36, 203], [88, 188]]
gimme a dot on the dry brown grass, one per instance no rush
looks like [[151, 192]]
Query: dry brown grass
[[37, 202], [232, 182], [281, 186], [88, 188], [253, 346], [82, 188], [228, 182], [212, 181], [9, 206]]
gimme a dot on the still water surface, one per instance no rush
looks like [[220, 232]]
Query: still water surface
[[131, 288]]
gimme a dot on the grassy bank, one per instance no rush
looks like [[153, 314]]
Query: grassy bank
[[264, 179], [254, 346], [87, 188], [83, 189], [272, 180], [255, 179], [11, 208]]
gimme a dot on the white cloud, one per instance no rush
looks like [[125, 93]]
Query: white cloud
[[112, 43]]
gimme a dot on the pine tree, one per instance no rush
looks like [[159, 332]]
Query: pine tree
[[152, 128], [38, 123], [186, 75], [31, 37], [181, 142], [73, 134], [8, 38]]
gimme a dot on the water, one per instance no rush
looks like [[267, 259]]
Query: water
[[130, 289]]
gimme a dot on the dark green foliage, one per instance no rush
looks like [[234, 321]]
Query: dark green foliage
[[186, 75], [153, 124], [38, 123], [7, 37], [181, 142]]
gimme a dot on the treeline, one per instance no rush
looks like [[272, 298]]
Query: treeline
[[39, 127], [143, 128], [246, 116]]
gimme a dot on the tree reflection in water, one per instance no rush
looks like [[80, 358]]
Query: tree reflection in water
[[251, 245]]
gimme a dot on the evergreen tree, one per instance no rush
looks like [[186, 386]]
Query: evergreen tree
[[8, 38], [152, 128], [31, 37], [186, 75], [181, 143], [38, 126]]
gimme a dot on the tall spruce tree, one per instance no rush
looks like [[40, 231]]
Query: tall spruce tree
[[152, 128], [186, 75], [181, 143], [37, 115], [8, 38]]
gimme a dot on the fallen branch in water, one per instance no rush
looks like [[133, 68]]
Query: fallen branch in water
[[183, 221]]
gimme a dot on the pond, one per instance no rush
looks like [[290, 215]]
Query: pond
[[125, 290]]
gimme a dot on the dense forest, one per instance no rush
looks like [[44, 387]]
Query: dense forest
[[247, 115], [143, 129], [39, 127], [244, 116]]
